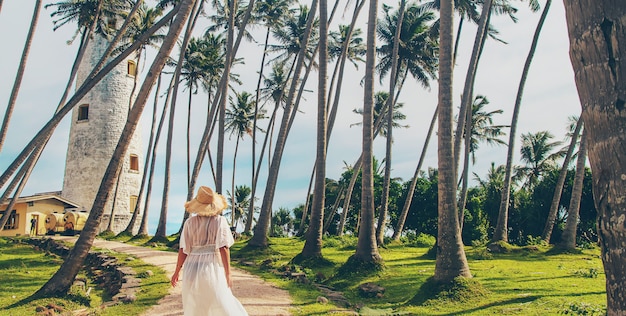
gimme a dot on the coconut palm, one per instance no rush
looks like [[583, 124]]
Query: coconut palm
[[313, 243], [481, 130], [240, 122], [556, 198], [597, 24], [259, 239], [366, 256], [292, 35], [568, 238], [238, 204], [20, 74], [60, 282], [271, 13], [538, 154], [451, 261], [501, 230]]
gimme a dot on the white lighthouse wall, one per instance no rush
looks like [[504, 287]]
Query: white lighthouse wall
[[92, 141]]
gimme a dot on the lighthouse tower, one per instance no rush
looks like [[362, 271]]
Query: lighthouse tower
[[97, 123]]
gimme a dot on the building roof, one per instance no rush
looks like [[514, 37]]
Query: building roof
[[41, 197]]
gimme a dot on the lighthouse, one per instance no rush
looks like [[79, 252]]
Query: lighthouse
[[96, 125]]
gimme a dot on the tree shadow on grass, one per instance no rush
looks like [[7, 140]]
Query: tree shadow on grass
[[518, 300]]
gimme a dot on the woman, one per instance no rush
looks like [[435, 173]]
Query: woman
[[204, 251]]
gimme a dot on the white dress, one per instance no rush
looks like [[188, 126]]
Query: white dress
[[205, 289]]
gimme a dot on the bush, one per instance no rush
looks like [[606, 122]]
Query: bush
[[421, 240], [581, 308]]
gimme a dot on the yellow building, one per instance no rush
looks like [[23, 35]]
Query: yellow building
[[29, 213]]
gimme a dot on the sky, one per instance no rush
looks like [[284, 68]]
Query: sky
[[550, 97]]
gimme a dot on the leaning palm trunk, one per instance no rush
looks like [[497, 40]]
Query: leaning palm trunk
[[568, 238], [313, 244], [409, 195], [558, 190], [161, 230], [466, 97], [133, 219], [366, 249], [263, 224], [382, 216], [597, 41], [20, 74], [501, 230], [61, 281], [451, 261]]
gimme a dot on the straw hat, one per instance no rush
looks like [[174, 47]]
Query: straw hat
[[206, 203]]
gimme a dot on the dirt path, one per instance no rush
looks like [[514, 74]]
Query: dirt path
[[260, 298]]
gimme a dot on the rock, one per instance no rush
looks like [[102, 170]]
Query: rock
[[371, 290]]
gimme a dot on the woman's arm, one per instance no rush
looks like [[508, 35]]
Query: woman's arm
[[225, 254], [179, 264]]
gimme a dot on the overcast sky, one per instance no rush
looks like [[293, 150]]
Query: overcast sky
[[550, 97]]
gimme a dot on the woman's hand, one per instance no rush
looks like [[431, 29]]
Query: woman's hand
[[174, 279]]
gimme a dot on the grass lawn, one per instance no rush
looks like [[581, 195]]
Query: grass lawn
[[524, 282], [23, 270]]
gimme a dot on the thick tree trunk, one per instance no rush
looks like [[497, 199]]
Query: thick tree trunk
[[597, 32], [451, 261]]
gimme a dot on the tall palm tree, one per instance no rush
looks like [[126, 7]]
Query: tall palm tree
[[538, 154], [20, 73], [239, 204], [366, 254], [556, 198], [239, 122], [500, 232], [60, 282], [313, 243], [568, 238], [451, 261], [596, 39], [271, 13], [481, 129], [259, 239]]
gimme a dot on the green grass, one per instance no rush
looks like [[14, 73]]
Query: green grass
[[23, 270], [535, 281], [524, 281]]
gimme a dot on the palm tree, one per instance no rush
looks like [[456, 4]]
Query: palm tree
[[481, 129], [271, 13], [596, 24], [20, 73], [61, 281], [538, 153], [293, 35], [239, 204], [500, 233], [239, 122], [556, 198], [451, 261], [366, 255], [313, 243], [568, 238], [259, 239]]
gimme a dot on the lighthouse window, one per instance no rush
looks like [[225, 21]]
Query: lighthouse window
[[133, 203], [83, 112], [132, 68], [134, 163]]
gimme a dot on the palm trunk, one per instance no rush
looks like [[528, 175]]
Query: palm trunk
[[259, 239], [409, 195], [451, 261], [313, 244], [501, 230], [161, 231], [558, 190], [61, 281], [568, 239], [131, 224], [234, 199], [20, 74]]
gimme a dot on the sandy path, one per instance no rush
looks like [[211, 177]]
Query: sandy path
[[260, 298]]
